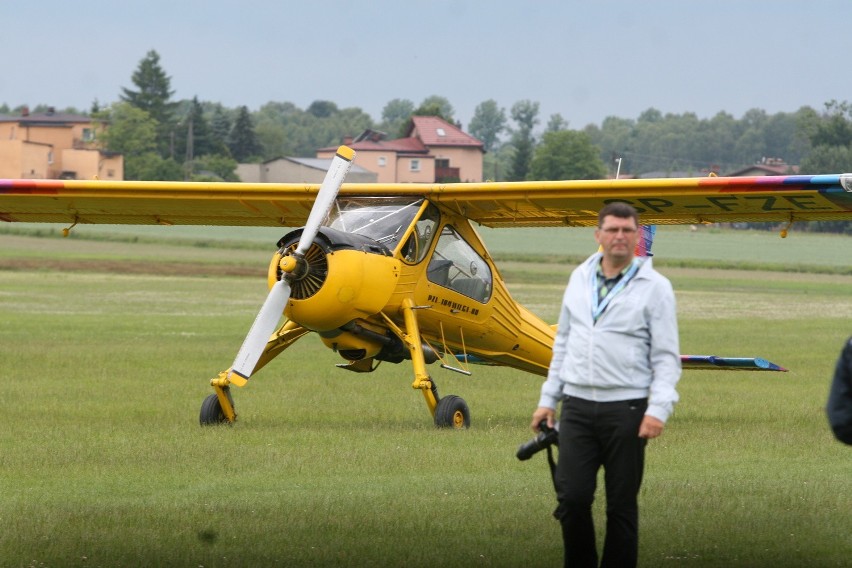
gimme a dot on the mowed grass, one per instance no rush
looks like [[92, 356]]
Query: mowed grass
[[102, 461]]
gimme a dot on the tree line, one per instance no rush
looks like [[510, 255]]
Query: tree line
[[166, 139]]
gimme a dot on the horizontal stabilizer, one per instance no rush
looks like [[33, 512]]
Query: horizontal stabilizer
[[728, 363], [474, 360], [687, 361]]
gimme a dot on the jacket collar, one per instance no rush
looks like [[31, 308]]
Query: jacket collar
[[591, 263]]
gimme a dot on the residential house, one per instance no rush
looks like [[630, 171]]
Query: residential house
[[433, 150], [766, 167], [54, 145], [297, 170]]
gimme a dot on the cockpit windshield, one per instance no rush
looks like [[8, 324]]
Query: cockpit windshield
[[383, 219]]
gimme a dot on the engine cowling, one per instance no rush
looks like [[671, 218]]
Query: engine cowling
[[342, 277]]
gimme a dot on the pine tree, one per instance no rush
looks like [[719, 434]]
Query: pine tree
[[525, 114], [242, 140], [194, 137], [154, 97], [220, 125]]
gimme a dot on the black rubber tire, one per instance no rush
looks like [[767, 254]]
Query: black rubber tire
[[452, 412], [211, 412]]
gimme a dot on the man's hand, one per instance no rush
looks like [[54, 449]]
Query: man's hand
[[651, 427], [542, 413]]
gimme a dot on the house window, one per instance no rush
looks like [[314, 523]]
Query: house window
[[441, 132], [442, 163], [50, 157], [88, 135], [382, 161], [414, 166]]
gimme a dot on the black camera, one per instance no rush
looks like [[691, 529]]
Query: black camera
[[545, 438]]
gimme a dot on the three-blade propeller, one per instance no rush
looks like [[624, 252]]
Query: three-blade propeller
[[273, 307]]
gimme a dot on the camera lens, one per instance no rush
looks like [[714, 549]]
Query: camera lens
[[545, 438]]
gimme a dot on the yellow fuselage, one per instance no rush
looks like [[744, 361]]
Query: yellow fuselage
[[361, 286]]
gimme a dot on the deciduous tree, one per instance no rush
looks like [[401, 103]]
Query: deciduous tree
[[488, 122], [395, 115], [556, 123], [566, 154]]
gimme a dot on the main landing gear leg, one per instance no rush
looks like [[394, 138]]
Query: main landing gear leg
[[448, 412], [218, 408]]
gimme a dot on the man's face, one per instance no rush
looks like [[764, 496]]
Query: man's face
[[617, 237]]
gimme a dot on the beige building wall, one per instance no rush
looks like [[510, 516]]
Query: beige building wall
[[83, 163], [57, 136], [467, 160], [415, 169], [249, 173], [48, 150], [111, 167], [381, 162], [292, 172], [19, 159], [91, 164], [10, 159], [288, 171], [33, 160], [7, 130], [392, 167]]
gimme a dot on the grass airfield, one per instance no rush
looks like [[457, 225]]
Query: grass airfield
[[109, 341]]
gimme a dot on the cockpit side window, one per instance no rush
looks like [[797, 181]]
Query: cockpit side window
[[415, 248], [455, 265]]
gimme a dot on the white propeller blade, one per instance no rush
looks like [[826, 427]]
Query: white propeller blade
[[273, 307], [263, 327], [325, 197]]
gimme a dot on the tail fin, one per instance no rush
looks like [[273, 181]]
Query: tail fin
[[646, 239]]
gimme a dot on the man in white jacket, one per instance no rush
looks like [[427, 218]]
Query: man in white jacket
[[616, 361]]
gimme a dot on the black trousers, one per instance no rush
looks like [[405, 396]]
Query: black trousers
[[591, 435]]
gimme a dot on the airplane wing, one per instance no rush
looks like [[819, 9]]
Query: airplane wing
[[493, 204]]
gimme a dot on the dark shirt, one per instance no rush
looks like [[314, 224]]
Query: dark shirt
[[839, 407], [607, 285]]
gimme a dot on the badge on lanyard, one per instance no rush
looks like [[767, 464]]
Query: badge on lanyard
[[598, 305]]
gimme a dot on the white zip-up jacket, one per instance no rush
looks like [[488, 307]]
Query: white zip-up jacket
[[631, 352]]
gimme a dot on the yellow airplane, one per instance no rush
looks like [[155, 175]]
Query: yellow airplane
[[395, 272]]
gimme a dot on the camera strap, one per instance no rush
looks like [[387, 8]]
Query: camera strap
[[552, 464]]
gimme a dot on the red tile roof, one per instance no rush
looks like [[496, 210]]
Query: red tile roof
[[402, 145], [423, 133], [435, 131]]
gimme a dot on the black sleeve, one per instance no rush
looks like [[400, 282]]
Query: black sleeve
[[839, 407]]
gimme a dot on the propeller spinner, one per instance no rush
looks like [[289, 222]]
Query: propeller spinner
[[273, 307]]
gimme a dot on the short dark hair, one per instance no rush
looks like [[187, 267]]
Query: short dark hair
[[618, 209]]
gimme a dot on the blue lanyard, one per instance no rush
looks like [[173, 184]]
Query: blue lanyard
[[599, 306]]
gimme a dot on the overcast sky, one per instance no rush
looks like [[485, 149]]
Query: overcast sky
[[585, 60]]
